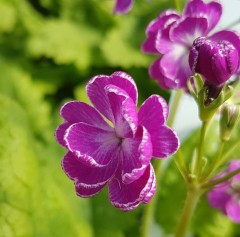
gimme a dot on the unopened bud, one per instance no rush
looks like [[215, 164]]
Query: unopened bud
[[216, 61], [229, 118]]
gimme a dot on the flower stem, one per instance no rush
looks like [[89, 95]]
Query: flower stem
[[217, 162], [179, 161], [177, 5], [149, 208], [197, 167], [230, 150], [174, 104], [193, 196], [221, 180]]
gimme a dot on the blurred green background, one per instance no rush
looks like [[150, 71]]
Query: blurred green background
[[48, 50]]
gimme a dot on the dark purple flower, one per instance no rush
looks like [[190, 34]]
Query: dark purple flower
[[123, 6], [216, 61], [226, 196], [112, 143], [171, 35]]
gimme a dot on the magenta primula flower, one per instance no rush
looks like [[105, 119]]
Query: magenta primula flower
[[171, 35], [226, 196], [221, 58], [123, 6], [112, 143]]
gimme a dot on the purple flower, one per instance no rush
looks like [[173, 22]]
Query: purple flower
[[172, 35], [226, 196], [221, 57], [123, 6], [112, 143]]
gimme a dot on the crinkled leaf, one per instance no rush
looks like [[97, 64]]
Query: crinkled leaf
[[64, 42], [117, 48], [7, 17], [36, 198]]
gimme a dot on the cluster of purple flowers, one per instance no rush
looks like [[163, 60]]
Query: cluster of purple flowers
[[226, 196], [112, 143], [171, 36]]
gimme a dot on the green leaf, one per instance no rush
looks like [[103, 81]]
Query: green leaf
[[64, 42], [211, 222], [17, 84], [118, 48], [36, 197], [8, 17], [108, 219]]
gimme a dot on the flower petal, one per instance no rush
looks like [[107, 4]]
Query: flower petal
[[228, 35], [218, 197], [86, 192], [163, 43], [123, 6], [212, 11], [128, 196], [152, 115], [88, 180], [188, 29], [124, 111], [166, 18], [93, 146], [97, 94], [77, 111], [125, 82], [155, 73], [174, 66], [233, 209], [60, 133], [163, 20], [149, 45], [151, 187], [136, 155], [153, 112], [165, 142]]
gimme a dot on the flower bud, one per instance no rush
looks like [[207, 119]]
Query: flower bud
[[216, 61], [229, 118]]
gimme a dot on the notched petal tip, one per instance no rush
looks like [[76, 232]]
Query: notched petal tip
[[128, 196]]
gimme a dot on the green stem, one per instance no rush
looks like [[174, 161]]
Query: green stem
[[230, 150], [217, 162], [174, 105], [149, 208], [193, 196], [181, 165], [197, 166], [177, 5], [221, 180]]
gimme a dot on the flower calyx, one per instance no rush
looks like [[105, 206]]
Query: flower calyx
[[208, 97]]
